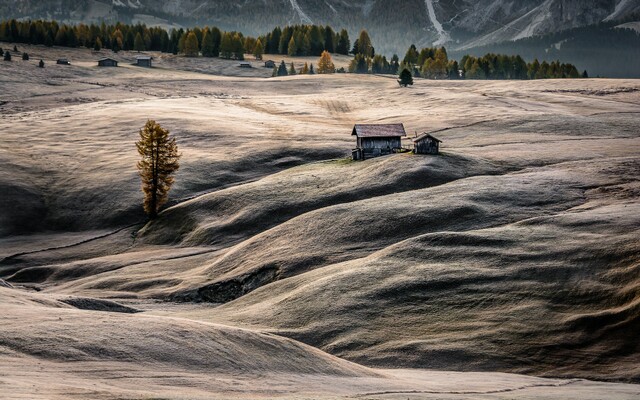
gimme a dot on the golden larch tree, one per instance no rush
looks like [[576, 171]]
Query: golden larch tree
[[159, 162], [325, 64], [191, 45]]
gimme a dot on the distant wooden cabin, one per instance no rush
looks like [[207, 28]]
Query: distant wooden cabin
[[144, 61], [244, 64], [426, 144], [63, 61], [374, 140], [107, 62], [270, 64]]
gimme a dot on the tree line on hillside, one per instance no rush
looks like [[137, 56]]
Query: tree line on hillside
[[605, 49], [434, 63], [305, 40], [294, 40], [297, 40]]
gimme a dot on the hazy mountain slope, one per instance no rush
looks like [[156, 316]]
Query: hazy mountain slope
[[393, 25]]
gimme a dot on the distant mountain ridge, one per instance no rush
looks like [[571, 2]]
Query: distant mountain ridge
[[458, 23]]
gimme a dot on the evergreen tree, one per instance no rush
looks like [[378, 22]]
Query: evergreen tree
[[411, 57], [190, 45], [25, 57], [365, 46], [292, 69], [208, 44], [159, 153], [98, 45], [476, 71], [138, 43], [316, 41], [342, 47], [41, 64], [48, 39], [292, 49], [305, 69], [258, 50], [216, 35], [198, 32], [359, 64], [325, 64], [305, 48], [405, 78], [282, 69], [116, 41], [226, 46], [311, 71], [394, 66], [61, 36], [238, 46], [379, 65], [7, 56], [356, 47], [285, 40], [329, 38], [454, 70], [274, 41], [585, 74]]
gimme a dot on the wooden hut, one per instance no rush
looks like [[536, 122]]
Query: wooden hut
[[107, 62], [144, 61], [426, 144], [373, 140], [270, 64], [63, 61]]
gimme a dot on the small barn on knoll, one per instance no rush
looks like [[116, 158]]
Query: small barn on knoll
[[374, 140], [270, 64], [426, 144], [144, 61], [107, 62]]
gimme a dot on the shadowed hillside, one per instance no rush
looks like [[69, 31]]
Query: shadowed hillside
[[279, 263]]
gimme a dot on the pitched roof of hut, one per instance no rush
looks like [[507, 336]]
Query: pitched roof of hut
[[378, 130], [107, 59], [426, 136], [144, 58]]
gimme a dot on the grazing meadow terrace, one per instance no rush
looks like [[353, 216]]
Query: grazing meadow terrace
[[282, 269]]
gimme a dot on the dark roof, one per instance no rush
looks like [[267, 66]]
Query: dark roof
[[144, 58], [107, 59], [426, 136], [378, 130]]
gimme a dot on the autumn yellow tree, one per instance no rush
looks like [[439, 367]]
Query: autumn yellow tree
[[325, 64], [191, 46], [159, 162]]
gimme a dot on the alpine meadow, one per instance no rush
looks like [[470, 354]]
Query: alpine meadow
[[302, 199]]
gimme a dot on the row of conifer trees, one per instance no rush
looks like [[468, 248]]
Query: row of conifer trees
[[295, 40]]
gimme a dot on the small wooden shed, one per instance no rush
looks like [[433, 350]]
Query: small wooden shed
[[270, 64], [374, 140], [107, 62], [144, 61], [63, 61], [426, 144]]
